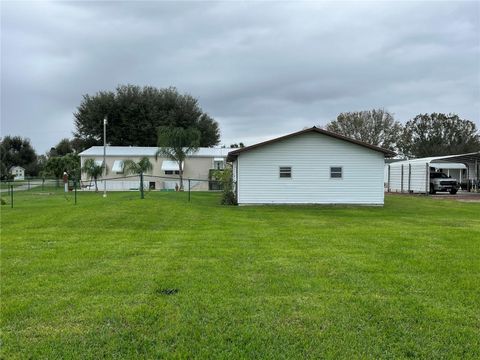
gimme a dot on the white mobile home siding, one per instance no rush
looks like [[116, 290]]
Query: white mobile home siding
[[310, 156]]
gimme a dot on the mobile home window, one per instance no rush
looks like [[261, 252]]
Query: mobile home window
[[171, 172], [285, 171], [218, 164], [336, 172], [118, 166]]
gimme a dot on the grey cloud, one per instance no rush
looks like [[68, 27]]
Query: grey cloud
[[260, 68]]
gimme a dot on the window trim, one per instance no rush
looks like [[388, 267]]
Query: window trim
[[218, 162], [280, 172], [171, 172], [122, 167], [336, 172]]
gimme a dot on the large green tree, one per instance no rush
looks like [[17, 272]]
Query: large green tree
[[176, 143], [56, 165], [376, 127], [17, 151], [135, 113], [63, 148], [439, 134]]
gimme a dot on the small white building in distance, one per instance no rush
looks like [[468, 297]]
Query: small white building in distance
[[312, 166], [17, 172]]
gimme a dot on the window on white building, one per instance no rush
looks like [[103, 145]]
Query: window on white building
[[118, 166], [285, 171], [218, 164], [336, 172]]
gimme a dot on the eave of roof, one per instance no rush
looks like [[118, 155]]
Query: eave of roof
[[232, 155]]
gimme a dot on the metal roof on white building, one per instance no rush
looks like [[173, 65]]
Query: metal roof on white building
[[149, 151]]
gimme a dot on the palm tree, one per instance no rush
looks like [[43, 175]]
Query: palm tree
[[93, 170], [141, 167], [177, 143]]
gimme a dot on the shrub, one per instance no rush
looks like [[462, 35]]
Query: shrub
[[225, 177]]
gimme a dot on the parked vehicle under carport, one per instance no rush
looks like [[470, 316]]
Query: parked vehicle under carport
[[440, 181]]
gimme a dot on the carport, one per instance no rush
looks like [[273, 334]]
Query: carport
[[413, 176]]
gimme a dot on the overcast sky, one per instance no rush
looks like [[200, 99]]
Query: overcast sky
[[261, 69]]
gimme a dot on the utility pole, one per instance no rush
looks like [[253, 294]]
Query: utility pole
[[105, 156]]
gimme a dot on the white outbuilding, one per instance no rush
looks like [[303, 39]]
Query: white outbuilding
[[18, 173], [413, 176], [312, 166]]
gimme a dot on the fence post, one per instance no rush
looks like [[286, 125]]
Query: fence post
[[11, 196], [142, 196], [28, 182], [43, 183], [75, 189], [188, 190]]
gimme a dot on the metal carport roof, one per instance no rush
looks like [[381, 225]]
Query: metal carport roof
[[469, 158], [463, 158]]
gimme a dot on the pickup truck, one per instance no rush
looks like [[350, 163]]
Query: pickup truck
[[442, 182]]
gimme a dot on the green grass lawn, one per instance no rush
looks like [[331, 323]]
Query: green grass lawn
[[89, 281]]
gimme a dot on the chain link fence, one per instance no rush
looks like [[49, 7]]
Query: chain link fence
[[16, 193]]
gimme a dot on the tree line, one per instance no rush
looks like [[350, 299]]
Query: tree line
[[424, 135], [136, 114]]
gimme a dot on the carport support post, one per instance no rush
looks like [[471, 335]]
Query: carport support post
[[468, 179], [427, 178], [401, 183], [409, 176], [388, 183], [142, 196], [476, 175], [188, 190]]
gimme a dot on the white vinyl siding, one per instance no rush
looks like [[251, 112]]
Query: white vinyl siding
[[311, 155]]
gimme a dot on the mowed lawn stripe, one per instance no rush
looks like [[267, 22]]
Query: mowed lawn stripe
[[93, 280]]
